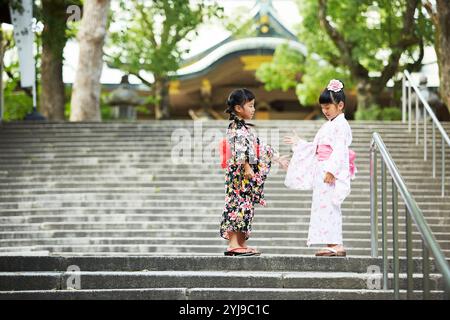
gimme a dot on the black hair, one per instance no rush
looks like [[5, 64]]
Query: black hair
[[238, 97], [328, 96]]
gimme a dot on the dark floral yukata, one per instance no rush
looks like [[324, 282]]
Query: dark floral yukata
[[242, 194]]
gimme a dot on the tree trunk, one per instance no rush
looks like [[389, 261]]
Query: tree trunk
[[85, 104], [162, 98], [366, 94], [443, 49], [53, 43]]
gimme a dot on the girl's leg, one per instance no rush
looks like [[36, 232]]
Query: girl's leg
[[241, 239], [233, 240], [237, 242], [243, 243]]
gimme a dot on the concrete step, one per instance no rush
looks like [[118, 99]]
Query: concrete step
[[175, 232], [269, 277], [167, 210], [209, 294], [162, 154], [108, 127], [263, 223], [131, 146], [189, 225], [148, 196], [270, 191], [135, 175], [297, 263], [259, 241], [165, 249], [85, 168], [192, 204], [201, 130], [304, 216], [202, 279], [192, 181]]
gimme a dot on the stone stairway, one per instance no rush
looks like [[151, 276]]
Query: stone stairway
[[96, 188], [115, 190], [202, 277]]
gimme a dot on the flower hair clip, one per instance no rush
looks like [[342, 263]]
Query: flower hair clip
[[335, 85]]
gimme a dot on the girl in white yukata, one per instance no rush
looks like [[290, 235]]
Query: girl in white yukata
[[326, 166]]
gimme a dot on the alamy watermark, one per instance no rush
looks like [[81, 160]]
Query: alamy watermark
[[374, 277], [75, 13], [74, 279], [201, 145]]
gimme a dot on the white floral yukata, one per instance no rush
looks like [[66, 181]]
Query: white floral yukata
[[307, 171]]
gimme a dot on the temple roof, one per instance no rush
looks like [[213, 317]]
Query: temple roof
[[248, 46], [269, 27]]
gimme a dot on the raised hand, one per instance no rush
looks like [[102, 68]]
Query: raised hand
[[283, 161], [294, 139]]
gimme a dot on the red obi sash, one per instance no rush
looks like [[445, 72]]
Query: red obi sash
[[225, 152]]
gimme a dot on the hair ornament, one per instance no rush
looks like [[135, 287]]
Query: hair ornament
[[335, 85]]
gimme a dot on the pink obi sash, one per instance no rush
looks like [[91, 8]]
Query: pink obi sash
[[324, 151]]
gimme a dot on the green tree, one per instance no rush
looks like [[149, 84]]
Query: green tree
[[85, 100], [308, 75], [371, 41], [15, 101], [284, 71], [53, 14], [440, 16], [151, 41], [317, 74]]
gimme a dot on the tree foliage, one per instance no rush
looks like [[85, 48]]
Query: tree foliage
[[369, 40], [151, 38], [152, 32], [283, 71]]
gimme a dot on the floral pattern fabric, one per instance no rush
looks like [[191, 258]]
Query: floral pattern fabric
[[242, 194]]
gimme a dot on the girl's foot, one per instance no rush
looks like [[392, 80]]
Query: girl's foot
[[332, 251], [243, 244], [253, 250], [240, 251]]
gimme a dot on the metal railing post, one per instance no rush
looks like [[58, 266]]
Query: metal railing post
[[409, 106], [413, 214], [373, 202], [409, 256], [424, 134], [403, 99], [417, 119], [395, 242], [427, 111], [425, 271], [443, 169], [384, 225], [434, 150]]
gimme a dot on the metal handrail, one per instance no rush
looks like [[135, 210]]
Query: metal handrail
[[413, 213], [406, 101]]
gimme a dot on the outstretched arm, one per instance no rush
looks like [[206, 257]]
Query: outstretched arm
[[294, 139]]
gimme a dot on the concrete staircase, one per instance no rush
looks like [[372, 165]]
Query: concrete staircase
[[201, 277], [113, 190]]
